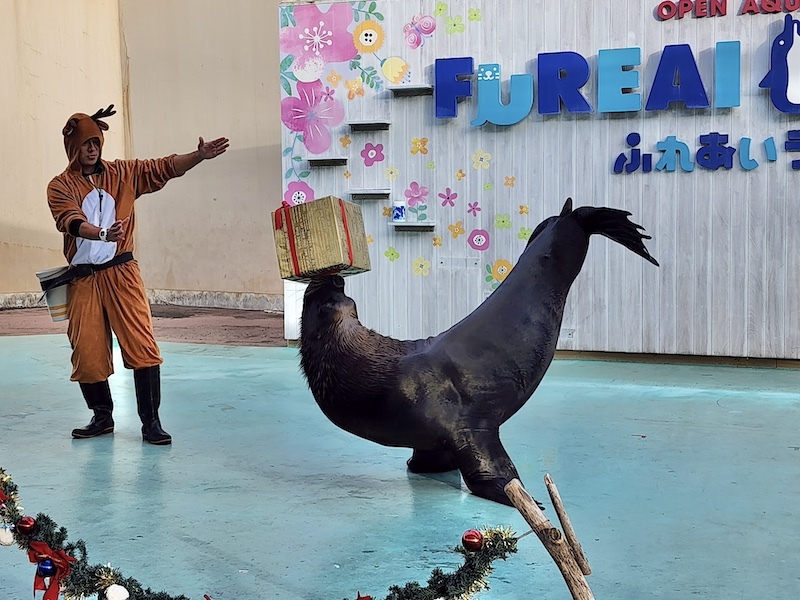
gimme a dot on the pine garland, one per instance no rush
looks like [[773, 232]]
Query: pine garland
[[84, 579], [470, 578]]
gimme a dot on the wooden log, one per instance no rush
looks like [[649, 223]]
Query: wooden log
[[552, 539], [566, 525]]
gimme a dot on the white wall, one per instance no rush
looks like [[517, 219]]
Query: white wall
[[175, 70], [207, 69], [727, 241], [56, 59]]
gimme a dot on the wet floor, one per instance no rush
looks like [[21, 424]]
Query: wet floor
[[681, 481]]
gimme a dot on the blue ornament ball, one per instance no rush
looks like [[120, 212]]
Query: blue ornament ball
[[46, 568]]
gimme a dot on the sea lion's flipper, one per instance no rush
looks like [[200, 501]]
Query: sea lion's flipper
[[485, 464], [615, 225], [432, 461]]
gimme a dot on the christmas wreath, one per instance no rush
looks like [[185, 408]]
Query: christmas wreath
[[63, 567]]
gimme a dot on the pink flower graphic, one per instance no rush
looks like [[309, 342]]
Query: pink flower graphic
[[448, 197], [328, 94], [372, 154], [312, 115], [319, 37], [474, 209], [298, 192], [479, 239], [416, 194]]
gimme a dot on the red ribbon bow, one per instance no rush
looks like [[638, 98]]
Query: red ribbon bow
[[61, 560], [3, 497]]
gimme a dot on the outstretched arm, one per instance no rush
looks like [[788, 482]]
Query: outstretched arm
[[205, 150]]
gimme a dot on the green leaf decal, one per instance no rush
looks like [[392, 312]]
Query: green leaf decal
[[286, 63], [287, 87]]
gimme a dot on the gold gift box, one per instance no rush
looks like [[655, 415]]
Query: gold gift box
[[320, 237]]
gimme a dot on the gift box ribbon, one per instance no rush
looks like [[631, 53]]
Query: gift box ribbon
[[284, 214], [61, 560]]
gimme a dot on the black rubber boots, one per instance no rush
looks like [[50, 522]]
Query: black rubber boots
[[98, 399], [148, 399]]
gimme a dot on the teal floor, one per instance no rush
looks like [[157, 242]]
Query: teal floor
[[681, 481]]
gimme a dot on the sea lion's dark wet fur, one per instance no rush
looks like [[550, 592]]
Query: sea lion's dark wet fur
[[447, 396]]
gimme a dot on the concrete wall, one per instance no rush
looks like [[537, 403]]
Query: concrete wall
[[175, 70], [56, 58], [207, 69]]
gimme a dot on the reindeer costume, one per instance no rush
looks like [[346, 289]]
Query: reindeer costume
[[106, 290]]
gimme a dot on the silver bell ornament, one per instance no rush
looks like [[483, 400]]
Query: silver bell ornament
[[6, 535]]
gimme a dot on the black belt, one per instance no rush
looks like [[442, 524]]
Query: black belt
[[84, 270]]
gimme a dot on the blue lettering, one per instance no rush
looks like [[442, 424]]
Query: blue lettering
[[677, 79], [490, 107], [613, 80], [728, 75], [448, 87], [561, 77]]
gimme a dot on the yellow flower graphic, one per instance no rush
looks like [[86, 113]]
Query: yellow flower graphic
[[454, 25], [368, 37], [370, 239], [501, 269], [481, 160], [510, 181], [334, 78], [437, 241], [345, 141], [394, 69], [347, 175], [460, 175], [457, 229], [391, 254], [440, 10], [356, 87], [387, 211], [524, 210], [419, 145], [474, 14], [391, 173], [421, 266]]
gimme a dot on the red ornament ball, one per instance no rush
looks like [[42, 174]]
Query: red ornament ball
[[472, 540], [26, 525]]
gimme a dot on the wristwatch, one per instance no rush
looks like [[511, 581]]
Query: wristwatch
[[103, 234]]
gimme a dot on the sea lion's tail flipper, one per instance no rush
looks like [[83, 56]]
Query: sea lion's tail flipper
[[615, 225]]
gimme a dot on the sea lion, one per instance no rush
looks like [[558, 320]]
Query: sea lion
[[446, 396]]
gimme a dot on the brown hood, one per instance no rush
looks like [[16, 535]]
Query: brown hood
[[81, 127]]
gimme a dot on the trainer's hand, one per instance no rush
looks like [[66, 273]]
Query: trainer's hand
[[213, 149], [116, 233]]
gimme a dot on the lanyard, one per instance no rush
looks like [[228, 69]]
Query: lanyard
[[100, 194]]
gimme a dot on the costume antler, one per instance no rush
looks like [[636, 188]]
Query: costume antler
[[104, 112], [72, 124], [101, 114]]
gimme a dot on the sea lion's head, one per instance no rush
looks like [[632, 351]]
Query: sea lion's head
[[325, 302]]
